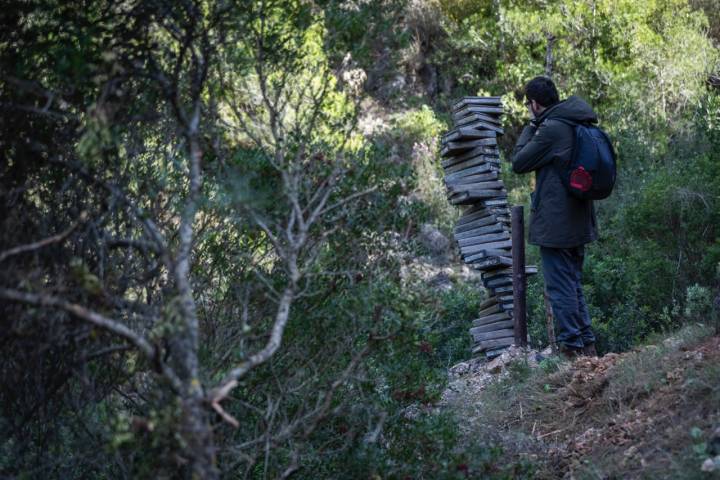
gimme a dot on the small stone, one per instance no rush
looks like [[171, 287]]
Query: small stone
[[412, 412], [441, 281], [433, 240], [398, 83], [460, 369], [496, 365], [708, 465]]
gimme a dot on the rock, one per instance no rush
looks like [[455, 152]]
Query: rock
[[351, 75], [433, 240], [398, 83], [441, 281], [412, 412], [629, 455], [496, 365], [460, 369], [708, 465]]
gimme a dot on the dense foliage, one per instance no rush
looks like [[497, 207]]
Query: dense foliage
[[210, 241]]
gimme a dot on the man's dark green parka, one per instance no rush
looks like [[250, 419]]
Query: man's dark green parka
[[557, 219]]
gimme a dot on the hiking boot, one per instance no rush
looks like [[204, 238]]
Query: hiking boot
[[589, 350], [570, 353]]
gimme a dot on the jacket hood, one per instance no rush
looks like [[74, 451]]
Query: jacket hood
[[572, 108]]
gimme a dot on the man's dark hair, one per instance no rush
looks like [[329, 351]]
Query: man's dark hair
[[543, 91]]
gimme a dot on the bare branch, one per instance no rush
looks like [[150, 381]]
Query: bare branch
[[148, 225], [348, 199], [42, 243], [273, 343], [220, 394], [94, 318]]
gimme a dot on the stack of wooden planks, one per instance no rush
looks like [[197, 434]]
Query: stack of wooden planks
[[471, 161]]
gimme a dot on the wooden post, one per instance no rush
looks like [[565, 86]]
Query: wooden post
[[519, 279]]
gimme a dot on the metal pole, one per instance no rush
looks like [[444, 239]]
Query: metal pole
[[519, 280]]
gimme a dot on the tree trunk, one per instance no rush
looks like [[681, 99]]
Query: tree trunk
[[197, 437]]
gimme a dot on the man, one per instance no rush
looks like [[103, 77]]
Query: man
[[559, 223]]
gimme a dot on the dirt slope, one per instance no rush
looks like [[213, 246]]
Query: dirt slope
[[650, 413]]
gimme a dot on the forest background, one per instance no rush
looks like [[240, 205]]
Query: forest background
[[214, 254]]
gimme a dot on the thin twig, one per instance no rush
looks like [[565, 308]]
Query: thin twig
[[42, 243]]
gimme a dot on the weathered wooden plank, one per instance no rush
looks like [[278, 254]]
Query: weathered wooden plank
[[492, 203], [471, 250], [488, 344], [455, 160], [494, 185], [471, 216], [495, 308], [529, 270], [472, 122], [484, 177], [466, 164], [499, 211], [496, 273], [477, 195], [473, 209], [487, 109], [452, 148], [502, 289], [485, 167], [483, 239], [452, 165], [490, 319], [475, 100], [480, 257], [461, 198], [469, 197], [488, 302], [499, 193], [478, 117], [466, 133], [458, 156], [499, 281], [506, 322], [493, 227], [491, 263], [480, 337], [468, 110], [488, 221], [491, 353]]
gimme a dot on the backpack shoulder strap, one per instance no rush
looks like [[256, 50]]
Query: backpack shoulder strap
[[566, 121]]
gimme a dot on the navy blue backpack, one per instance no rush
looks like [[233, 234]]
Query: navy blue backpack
[[593, 167]]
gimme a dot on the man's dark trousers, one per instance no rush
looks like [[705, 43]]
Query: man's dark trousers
[[562, 269]]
